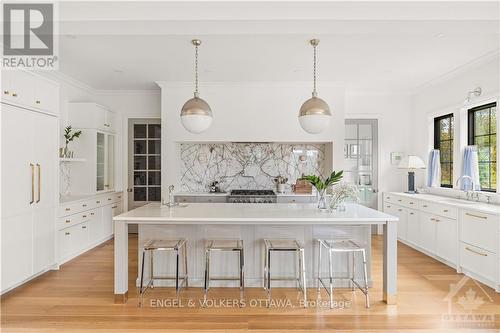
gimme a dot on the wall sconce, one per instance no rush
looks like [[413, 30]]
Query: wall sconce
[[474, 93]]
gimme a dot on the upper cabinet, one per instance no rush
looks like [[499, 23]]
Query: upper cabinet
[[23, 88], [91, 116]]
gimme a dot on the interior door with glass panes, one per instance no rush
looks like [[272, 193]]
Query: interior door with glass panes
[[361, 158], [144, 162]]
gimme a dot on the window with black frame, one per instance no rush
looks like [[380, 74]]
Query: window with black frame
[[443, 141], [482, 126]]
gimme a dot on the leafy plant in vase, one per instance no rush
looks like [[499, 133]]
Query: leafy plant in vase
[[322, 185], [69, 136]]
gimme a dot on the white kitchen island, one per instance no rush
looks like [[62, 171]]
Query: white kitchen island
[[197, 222]]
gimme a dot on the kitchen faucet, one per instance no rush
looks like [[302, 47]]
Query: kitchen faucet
[[472, 187]]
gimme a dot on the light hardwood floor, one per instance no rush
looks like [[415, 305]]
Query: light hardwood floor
[[79, 297]]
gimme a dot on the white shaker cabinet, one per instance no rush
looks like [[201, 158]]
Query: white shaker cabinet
[[28, 176], [29, 90], [413, 234], [91, 116], [447, 239], [428, 232]]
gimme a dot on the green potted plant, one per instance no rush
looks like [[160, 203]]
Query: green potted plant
[[322, 185], [69, 136]]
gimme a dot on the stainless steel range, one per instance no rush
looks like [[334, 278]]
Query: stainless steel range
[[252, 196]]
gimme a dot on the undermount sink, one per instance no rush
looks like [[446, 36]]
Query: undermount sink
[[459, 201]]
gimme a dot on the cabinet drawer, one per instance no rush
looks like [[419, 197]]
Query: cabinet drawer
[[294, 199], [438, 209], [390, 198], [72, 240], [207, 199], [478, 261], [71, 220], [479, 229], [408, 202], [76, 207], [185, 198]]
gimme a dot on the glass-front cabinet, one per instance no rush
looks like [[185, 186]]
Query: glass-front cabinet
[[105, 150]]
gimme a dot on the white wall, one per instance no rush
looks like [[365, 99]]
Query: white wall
[[265, 112], [393, 112], [447, 95]]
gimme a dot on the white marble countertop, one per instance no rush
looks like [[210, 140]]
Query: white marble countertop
[[454, 202], [228, 213], [78, 197]]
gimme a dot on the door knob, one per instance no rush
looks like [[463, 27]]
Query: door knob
[[130, 190]]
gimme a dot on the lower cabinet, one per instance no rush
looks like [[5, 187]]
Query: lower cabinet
[[428, 232], [84, 229], [447, 239], [413, 234]]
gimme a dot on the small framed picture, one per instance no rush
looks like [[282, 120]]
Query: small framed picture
[[396, 157], [353, 151]]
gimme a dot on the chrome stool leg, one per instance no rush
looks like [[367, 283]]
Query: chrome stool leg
[[303, 273], [318, 282], [141, 292], [367, 298], [330, 275], [353, 254]]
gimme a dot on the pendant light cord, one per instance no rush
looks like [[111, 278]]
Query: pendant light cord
[[314, 71], [196, 69]]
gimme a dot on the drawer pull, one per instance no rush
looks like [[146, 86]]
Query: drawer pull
[[67, 233], [68, 221], [37, 102], [92, 214], [388, 206], [445, 210], [477, 216], [84, 216], [411, 202], [84, 205], [97, 202], [84, 227], [109, 199], [114, 207], [119, 197], [6, 92], [400, 200], [411, 213], [67, 209], [14, 95], [425, 206], [400, 210], [476, 252]]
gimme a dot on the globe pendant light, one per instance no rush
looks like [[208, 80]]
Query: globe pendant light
[[314, 115], [196, 115]]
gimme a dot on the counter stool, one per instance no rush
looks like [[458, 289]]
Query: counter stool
[[342, 246], [284, 245], [174, 246], [234, 245]]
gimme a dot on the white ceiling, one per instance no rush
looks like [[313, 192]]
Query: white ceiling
[[391, 46]]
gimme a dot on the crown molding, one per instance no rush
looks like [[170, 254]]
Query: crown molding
[[128, 92], [484, 59], [250, 84]]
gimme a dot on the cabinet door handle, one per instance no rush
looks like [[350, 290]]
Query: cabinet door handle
[[97, 202], [109, 199], [476, 252], [445, 210], [39, 181], [425, 206], [6, 92], [84, 227], [477, 216], [67, 209], [84, 205], [84, 216], [14, 95], [400, 210], [32, 166], [411, 213], [400, 200], [411, 202], [92, 214], [388, 206], [37, 102], [67, 233], [68, 221], [433, 219], [114, 207]]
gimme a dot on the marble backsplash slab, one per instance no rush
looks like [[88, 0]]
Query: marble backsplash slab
[[247, 165]]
